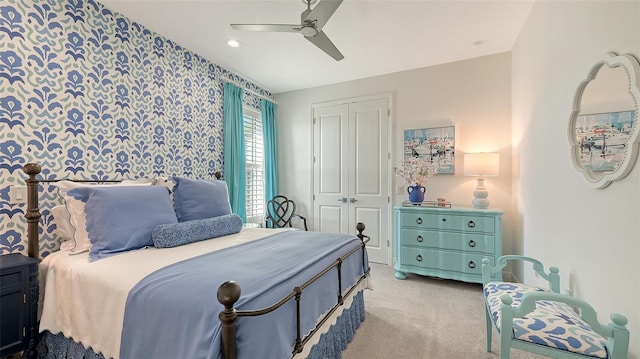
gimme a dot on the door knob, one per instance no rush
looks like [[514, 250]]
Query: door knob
[[343, 199], [353, 200]]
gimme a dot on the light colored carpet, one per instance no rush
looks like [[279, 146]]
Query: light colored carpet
[[423, 318]]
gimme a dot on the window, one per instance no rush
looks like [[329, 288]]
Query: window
[[254, 157]]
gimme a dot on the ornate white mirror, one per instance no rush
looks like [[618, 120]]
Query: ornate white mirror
[[603, 128]]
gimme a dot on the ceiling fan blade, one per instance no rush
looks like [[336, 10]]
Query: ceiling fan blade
[[322, 41], [267, 27], [322, 12]]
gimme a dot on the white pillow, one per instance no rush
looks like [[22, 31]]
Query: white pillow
[[165, 181], [75, 210], [64, 228]]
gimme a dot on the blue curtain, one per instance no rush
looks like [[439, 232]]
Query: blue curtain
[[234, 158], [268, 109]]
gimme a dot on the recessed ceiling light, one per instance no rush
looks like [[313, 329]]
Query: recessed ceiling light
[[477, 44], [233, 43]]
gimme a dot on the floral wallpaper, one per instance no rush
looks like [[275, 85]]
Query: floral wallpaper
[[87, 93]]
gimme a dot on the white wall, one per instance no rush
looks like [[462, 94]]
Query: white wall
[[518, 104], [472, 95], [592, 235]]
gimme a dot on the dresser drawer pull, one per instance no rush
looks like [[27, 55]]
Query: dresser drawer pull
[[420, 239], [472, 265], [419, 258], [471, 224], [419, 220], [472, 243], [444, 220]]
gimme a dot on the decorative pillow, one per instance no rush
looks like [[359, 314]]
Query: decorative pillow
[[173, 235], [122, 218], [200, 199], [75, 210]]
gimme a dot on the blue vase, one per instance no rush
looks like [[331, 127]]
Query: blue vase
[[416, 194]]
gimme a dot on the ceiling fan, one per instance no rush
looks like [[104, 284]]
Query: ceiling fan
[[311, 23]]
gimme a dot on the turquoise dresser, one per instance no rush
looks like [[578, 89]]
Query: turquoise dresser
[[447, 242]]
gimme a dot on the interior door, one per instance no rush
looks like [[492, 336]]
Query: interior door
[[330, 167], [351, 171]]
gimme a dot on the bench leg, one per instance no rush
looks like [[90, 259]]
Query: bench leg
[[488, 319]]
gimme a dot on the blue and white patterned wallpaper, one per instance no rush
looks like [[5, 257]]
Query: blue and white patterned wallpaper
[[87, 93]]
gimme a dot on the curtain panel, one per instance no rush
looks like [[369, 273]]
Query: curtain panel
[[234, 156], [268, 110]]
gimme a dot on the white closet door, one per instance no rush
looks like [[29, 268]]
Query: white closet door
[[330, 167], [351, 171]]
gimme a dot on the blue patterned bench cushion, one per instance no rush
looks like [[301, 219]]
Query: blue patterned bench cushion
[[551, 324]]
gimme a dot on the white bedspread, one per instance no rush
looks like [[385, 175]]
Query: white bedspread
[[83, 301]]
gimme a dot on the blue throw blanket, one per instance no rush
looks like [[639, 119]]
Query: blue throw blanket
[[173, 312]]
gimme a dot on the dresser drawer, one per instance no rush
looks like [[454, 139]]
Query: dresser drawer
[[444, 221], [447, 242], [433, 259], [469, 242]]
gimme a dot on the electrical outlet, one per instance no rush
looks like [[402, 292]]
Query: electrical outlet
[[17, 194]]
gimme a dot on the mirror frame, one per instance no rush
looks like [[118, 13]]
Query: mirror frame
[[632, 68]]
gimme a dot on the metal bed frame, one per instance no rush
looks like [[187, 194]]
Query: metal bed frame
[[228, 292]]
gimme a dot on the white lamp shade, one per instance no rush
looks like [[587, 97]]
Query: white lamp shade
[[482, 164]]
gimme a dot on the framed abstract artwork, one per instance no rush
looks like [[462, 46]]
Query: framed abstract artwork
[[436, 145]]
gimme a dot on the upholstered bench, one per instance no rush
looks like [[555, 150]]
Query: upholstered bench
[[543, 321]]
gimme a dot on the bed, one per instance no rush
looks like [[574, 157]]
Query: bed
[[280, 293]]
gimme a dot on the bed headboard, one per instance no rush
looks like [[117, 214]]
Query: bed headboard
[[33, 214]]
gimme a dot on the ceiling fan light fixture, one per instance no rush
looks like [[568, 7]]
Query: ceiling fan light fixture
[[233, 43], [308, 31]]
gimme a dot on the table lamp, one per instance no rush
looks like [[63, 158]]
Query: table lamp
[[481, 165]]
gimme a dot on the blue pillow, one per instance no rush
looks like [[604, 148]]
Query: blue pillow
[[200, 199], [172, 235], [121, 218]]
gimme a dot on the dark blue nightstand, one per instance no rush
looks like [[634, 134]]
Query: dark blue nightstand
[[18, 305]]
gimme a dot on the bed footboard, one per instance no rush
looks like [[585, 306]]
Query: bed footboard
[[229, 293]]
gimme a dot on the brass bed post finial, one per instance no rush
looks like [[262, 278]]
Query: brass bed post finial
[[228, 295], [33, 212]]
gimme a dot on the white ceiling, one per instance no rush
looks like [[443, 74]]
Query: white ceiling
[[376, 37]]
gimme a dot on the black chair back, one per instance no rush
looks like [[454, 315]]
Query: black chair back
[[279, 212]]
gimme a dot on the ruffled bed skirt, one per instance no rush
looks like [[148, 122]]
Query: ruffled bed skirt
[[330, 346], [56, 346], [333, 342]]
